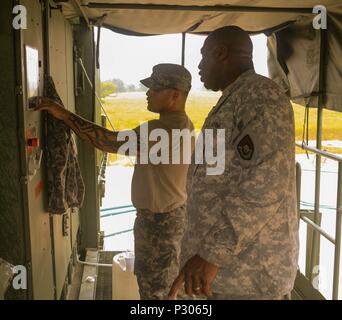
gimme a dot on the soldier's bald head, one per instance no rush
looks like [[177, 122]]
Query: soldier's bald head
[[226, 53], [235, 39]]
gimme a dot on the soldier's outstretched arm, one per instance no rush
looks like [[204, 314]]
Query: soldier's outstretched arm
[[98, 136]]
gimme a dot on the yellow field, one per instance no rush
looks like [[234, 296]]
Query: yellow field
[[128, 110]]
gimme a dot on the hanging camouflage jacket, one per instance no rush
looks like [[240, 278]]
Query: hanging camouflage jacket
[[65, 187]]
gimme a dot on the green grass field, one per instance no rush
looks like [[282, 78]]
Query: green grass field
[[128, 110]]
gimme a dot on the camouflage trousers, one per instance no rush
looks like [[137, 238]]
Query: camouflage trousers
[[218, 296], [157, 238]]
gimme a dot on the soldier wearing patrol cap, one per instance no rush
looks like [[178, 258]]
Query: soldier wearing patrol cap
[[158, 190], [242, 235], [168, 75]]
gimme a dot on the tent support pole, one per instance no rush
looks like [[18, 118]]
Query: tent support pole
[[337, 255], [183, 48], [218, 8], [321, 88]]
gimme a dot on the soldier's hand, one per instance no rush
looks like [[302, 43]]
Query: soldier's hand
[[197, 276], [52, 107]]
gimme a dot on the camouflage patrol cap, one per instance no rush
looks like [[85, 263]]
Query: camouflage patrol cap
[[168, 76]]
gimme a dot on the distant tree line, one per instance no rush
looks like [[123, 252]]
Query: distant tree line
[[117, 85]]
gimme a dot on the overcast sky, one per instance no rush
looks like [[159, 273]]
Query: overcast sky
[[132, 58]]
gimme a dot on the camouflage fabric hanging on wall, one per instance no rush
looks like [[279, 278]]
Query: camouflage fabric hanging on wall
[[65, 186]]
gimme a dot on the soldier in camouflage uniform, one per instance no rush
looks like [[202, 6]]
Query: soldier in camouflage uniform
[[159, 193], [242, 235], [158, 190]]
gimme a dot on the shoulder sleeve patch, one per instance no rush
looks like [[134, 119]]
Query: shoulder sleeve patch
[[245, 148]]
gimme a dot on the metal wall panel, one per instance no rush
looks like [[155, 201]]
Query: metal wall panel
[[75, 224], [62, 249], [69, 45], [12, 216], [61, 70], [41, 248], [89, 213]]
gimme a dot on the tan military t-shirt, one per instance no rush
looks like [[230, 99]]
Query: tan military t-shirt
[[162, 187]]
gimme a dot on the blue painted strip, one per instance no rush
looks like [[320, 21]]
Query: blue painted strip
[[116, 213], [115, 208], [116, 233]]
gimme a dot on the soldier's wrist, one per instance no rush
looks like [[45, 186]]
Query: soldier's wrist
[[211, 256]]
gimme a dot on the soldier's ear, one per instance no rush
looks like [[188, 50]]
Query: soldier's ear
[[175, 94], [221, 52]]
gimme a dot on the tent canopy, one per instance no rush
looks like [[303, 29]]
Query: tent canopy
[[162, 17], [295, 47]]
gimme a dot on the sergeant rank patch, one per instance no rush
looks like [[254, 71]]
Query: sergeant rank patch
[[245, 148]]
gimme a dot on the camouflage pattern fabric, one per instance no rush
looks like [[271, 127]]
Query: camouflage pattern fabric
[[230, 297], [157, 248], [245, 220], [168, 75], [6, 275], [65, 187]]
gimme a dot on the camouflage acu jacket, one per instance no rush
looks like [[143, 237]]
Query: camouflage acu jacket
[[65, 187], [245, 220]]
